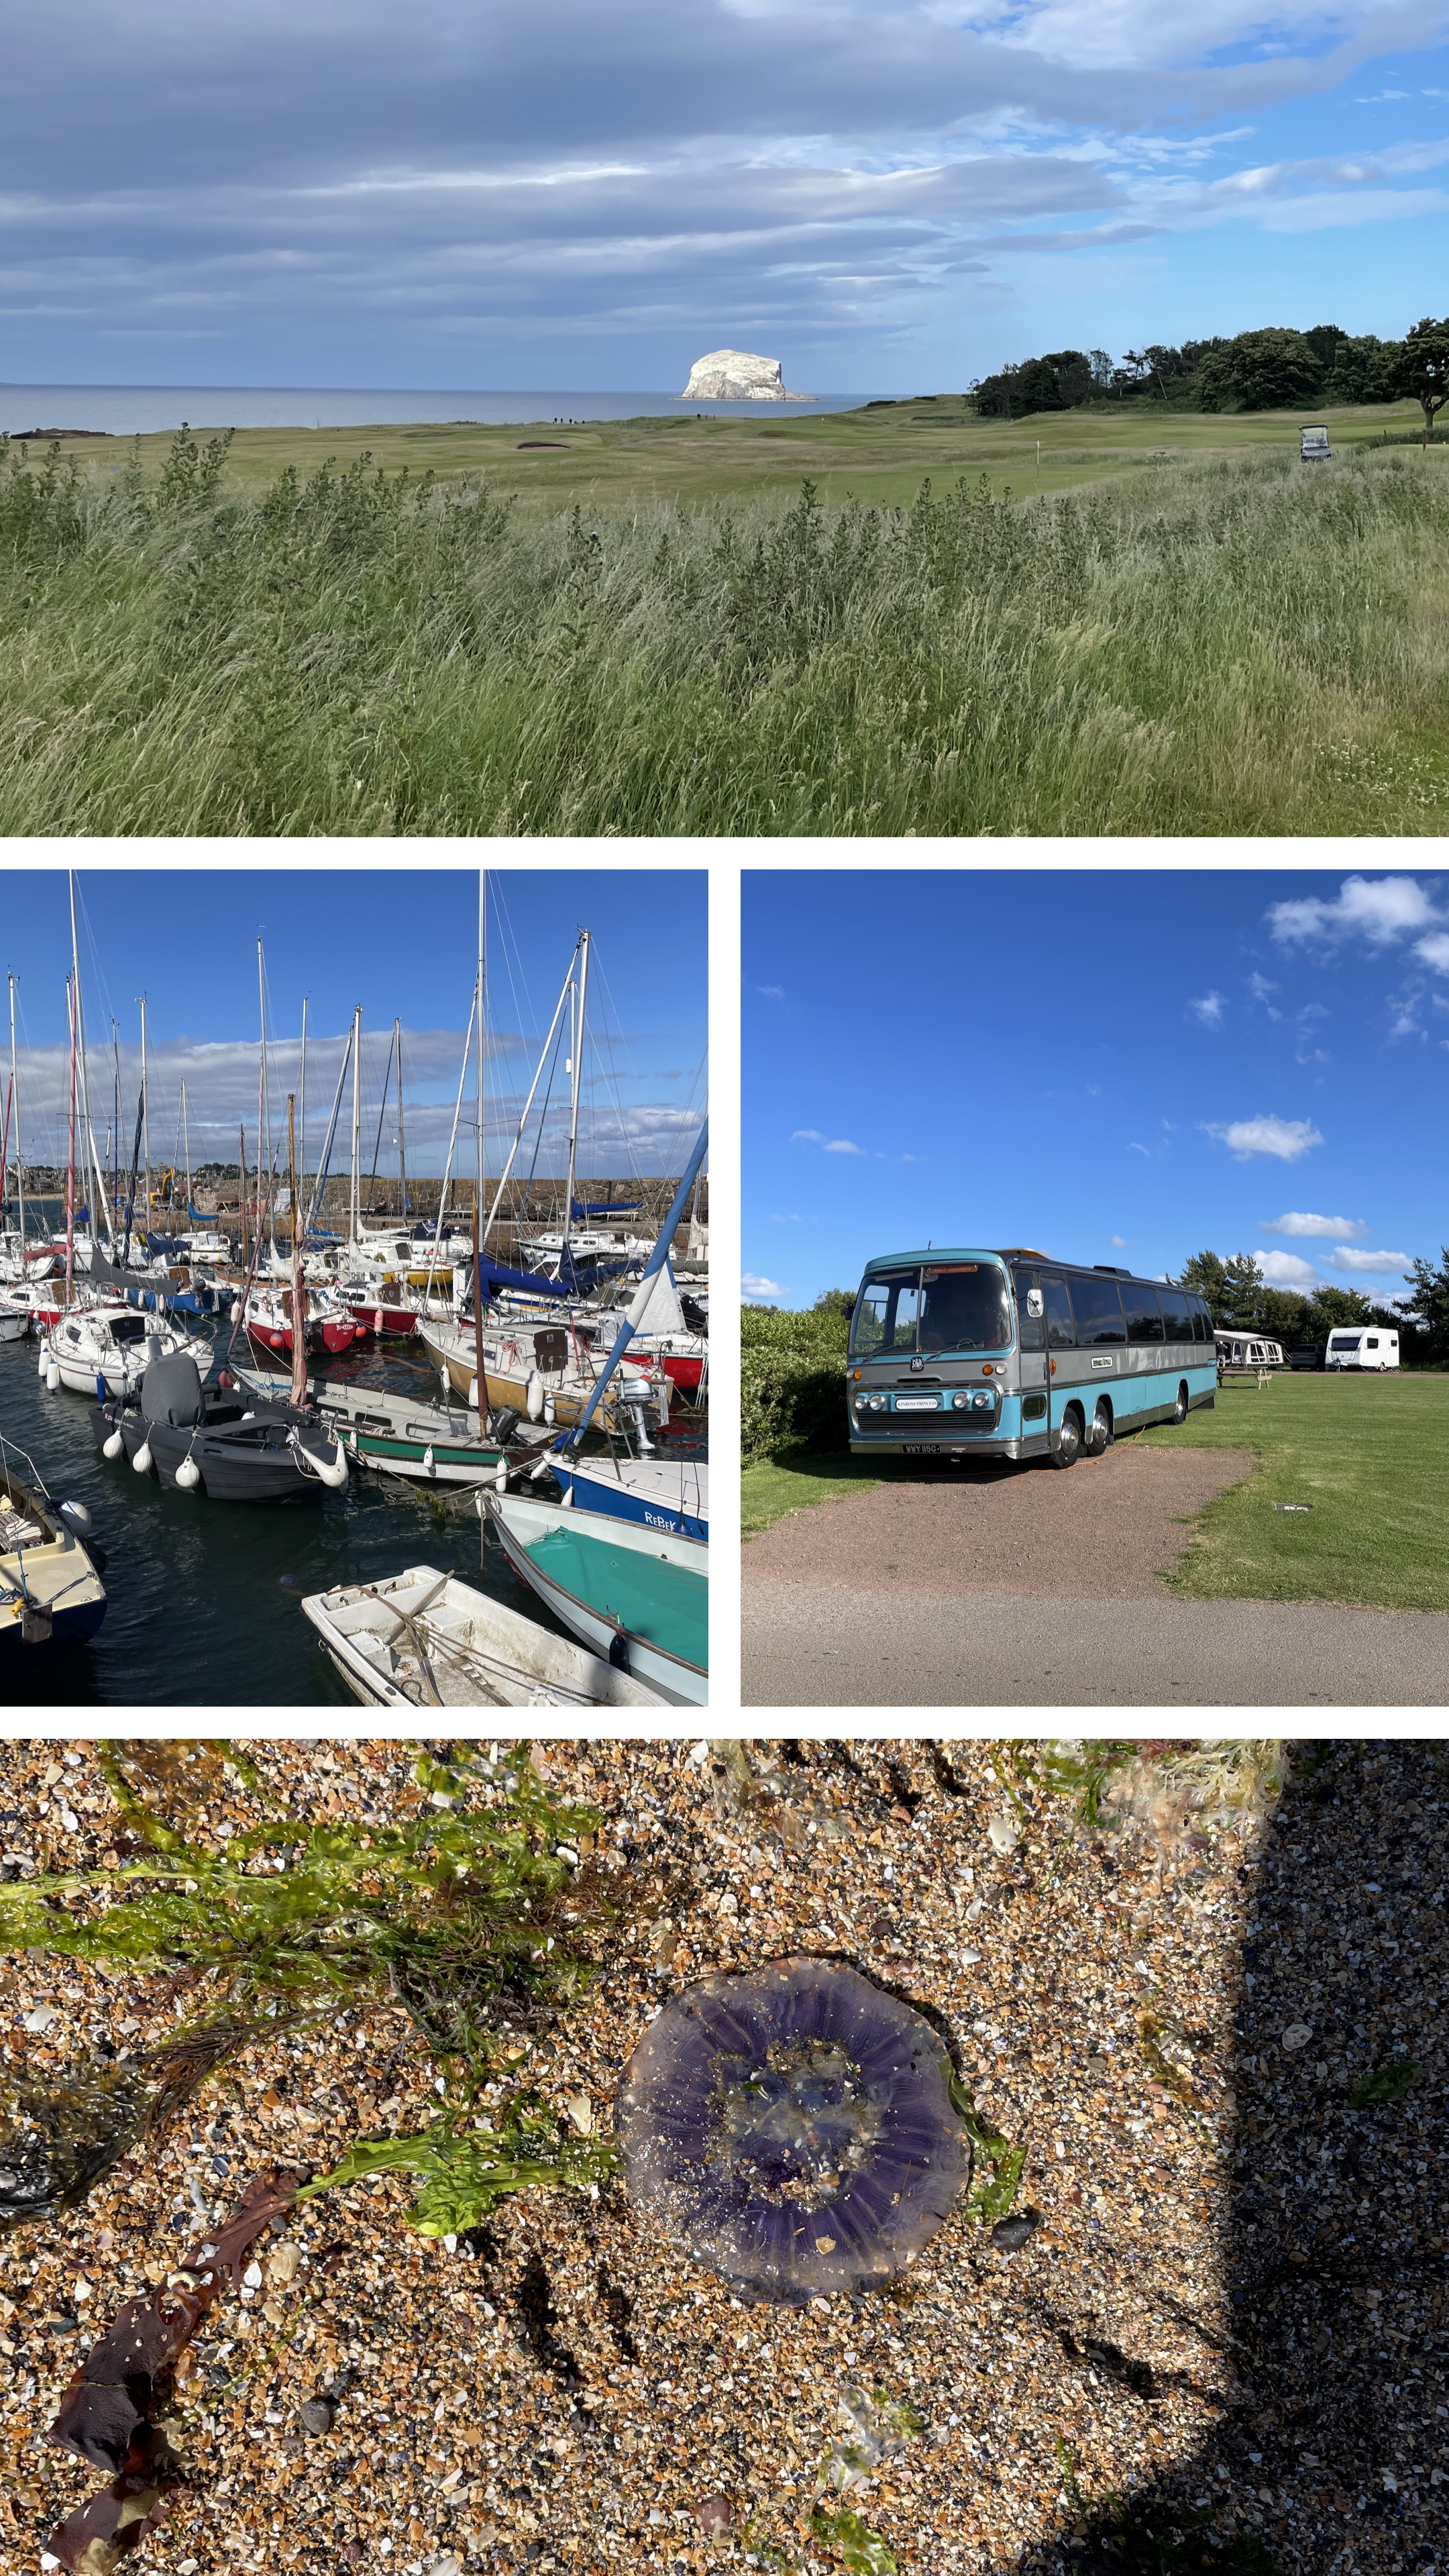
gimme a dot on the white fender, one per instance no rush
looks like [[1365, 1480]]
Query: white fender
[[534, 1398], [112, 1448], [52, 1376], [550, 1410], [567, 1498], [336, 1474], [77, 1515], [236, 1310], [188, 1475], [542, 1469], [428, 1467], [44, 1370], [142, 1460], [500, 1477]]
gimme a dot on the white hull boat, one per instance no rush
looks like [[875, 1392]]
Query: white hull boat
[[427, 1640], [90, 1343]]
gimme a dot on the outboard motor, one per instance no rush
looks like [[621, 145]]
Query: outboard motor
[[503, 1424]]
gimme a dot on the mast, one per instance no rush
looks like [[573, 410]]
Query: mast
[[145, 1127], [19, 1159], [402, 1160], [482, 1008], [299, 1292], [186, 1133], [242, 1194], [436, 1252], [116, 1161], [302, 1104], [70, 1163], [89, 1139], [264, 1119], [355, 1224], [576, 1069]]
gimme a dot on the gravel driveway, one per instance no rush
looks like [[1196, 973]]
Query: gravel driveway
[[1040, 1590]]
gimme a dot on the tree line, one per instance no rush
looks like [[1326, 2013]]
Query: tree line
[[1269, 370]]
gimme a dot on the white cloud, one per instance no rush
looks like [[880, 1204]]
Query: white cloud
[[772, 992], [753, 1287], [1345, 1257], [1135, 1148], [1260, 988], [829, 1144], [1435, 951], [1299, 1221], [1378, 909], [1286, 1138], [1120, 1242], [1209, 1009], [1286, 1269]]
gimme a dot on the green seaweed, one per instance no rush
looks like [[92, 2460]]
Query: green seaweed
[[1385, 2084], [858, 2547], [990, 2197], [467, 2172], [449, 1913]]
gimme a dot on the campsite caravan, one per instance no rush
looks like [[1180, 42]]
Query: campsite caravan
[[1369, 1346]]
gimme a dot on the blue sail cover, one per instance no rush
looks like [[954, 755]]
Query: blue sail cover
[[496, 1275], [607, 1207]]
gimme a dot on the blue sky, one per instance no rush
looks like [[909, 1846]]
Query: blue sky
[[1121, 1066], [889, 195], [401, 941]]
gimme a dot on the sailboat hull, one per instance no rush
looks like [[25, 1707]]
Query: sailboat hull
[[651, 1494], [633, 1595]]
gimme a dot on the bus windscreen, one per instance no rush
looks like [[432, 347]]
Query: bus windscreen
[[953, 1306]]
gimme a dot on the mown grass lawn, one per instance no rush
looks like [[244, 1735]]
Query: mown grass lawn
[[1368, 1454], [775, 1486]]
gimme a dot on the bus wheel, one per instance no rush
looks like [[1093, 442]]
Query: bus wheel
[[1069, 1440], [1179, 1410], [1099, 1438]]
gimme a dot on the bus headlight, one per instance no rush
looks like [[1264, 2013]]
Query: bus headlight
[[981, 1403], [960, 1402]]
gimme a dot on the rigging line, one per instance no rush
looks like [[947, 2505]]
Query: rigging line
[[100, 973], [626, 1142], [542, 1117], [513, 958]]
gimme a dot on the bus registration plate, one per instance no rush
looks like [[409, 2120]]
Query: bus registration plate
[[920, 1449]]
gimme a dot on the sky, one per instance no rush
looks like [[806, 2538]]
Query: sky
[[891, 196], [400, 941], [1127, 1066]]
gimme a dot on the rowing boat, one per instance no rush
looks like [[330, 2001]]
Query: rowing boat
[[426, 1640]]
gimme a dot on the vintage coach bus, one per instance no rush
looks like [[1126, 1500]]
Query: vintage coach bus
[[962, 1354]]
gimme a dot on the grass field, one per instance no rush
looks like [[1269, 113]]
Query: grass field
[[1209, 643], [1366, 1453], [878, 454], [775, 1486]]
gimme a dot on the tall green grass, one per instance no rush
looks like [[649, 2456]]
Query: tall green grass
[[1241, 647]]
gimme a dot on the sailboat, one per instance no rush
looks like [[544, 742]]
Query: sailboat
[[636, 1592]]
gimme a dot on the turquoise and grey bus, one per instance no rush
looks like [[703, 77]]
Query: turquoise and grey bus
[[971, 1354]]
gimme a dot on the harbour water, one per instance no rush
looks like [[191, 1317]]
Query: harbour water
[[123, 410], [204, 1599]]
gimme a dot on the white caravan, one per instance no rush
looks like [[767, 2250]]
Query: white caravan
[[1367, 1346]]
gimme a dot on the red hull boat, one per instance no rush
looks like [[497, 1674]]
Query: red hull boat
[[382, 1323]]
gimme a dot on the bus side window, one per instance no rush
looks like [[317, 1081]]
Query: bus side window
[[1177, 1319], [1061, 1331], [1097, 1304], [1144, 1320], [1029, 1325]]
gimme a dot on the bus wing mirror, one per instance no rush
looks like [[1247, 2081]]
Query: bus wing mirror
[[1035, 1302]]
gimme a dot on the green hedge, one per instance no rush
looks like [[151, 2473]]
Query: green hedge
[[792, 1381]]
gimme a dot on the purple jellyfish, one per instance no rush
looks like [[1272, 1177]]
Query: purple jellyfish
[[793, 2128]]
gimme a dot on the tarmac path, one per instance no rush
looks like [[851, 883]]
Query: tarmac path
[[1041, 1590]]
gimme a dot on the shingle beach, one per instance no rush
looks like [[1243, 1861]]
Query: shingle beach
[[1233, 2305]]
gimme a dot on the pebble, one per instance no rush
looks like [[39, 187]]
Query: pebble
[[1010, 2234], [317, 2415]]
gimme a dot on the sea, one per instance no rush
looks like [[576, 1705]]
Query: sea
[[123, 410], [204, 1600]]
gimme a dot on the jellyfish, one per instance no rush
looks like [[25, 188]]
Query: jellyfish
[[793, 2128]]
